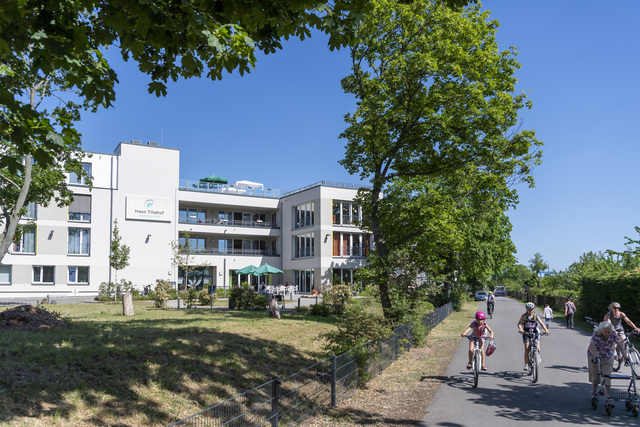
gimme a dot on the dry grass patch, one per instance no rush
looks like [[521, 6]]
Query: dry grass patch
[[401, 393]]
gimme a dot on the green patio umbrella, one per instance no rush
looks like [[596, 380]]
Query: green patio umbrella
[[250, 269], [214, 179], [266, 269]]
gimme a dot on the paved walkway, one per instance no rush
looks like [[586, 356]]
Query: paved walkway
[[506, 396]]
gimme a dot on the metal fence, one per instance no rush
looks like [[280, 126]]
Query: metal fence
[[287, 401]]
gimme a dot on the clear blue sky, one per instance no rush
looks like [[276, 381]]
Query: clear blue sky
[[279, 125]]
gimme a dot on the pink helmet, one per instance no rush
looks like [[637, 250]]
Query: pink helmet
[[480, 315], [490, 348]]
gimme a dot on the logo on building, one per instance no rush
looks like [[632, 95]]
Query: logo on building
[[147, 209]]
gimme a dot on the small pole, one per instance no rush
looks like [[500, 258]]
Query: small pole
[[48, 300], [178, 302], [316, 299], [298, 302], [275, 395], [334, 375]]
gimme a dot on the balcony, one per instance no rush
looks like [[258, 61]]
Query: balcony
[[208, 187], [217, 251], [227, 222]]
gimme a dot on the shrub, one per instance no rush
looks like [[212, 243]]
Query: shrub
[[191, 297], [356, 329], [205, 297], [321, 310], [337, 298], [260, 302], [243, 297], [161, 293]]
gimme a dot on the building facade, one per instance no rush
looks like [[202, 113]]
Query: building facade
[[309, 234]]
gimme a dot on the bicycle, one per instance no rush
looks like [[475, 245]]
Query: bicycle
[[630, 354], [476, 359], [533, 356], [490, 307]]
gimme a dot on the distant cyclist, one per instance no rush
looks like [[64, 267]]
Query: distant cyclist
[[529, 322], [615, 316], [491, 303]]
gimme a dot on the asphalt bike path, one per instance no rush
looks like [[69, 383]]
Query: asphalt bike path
[[506, 395]]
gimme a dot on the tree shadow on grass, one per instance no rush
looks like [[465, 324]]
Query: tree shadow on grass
[[125, 372]]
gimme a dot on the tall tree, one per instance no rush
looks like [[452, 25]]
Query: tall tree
[[536, 265], [53, 49], [433, 131]]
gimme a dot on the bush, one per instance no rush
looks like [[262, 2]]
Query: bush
[[337, 298], [356, 329], [108, 291], [205, 297], [161, 293], [319, 310], [260, 302], [243, 297]]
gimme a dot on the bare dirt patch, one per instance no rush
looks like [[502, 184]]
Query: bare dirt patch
[[400, 394], [30, 318]]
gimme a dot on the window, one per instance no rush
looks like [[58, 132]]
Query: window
[[80, 209], [303, 279], [43, 274], [79, 275], [75, 179], [79, 241], [350, 244], [5, 274], [26, 243], [303, 246], [303, 215], [346, 213], [32, 211], [195, 245], [192, 216]]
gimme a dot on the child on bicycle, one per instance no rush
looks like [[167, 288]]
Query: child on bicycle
[[529, 322], [478, 328]]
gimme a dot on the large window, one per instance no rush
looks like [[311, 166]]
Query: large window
[[191, 216], [26, 242], [5, 274], [303, 246], [32, 211], [303, 279], [303, 215], [194, 245], [346, 213], [43, 274], [78, 275], [350, 244], [80, 209], [75, 179], [79, 241]]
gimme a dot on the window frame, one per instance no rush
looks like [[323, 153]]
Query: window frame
[[81, 244], [77, 273], [43, 274], [20, 244]]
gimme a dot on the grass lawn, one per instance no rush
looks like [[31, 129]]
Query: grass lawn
[[154, 368]]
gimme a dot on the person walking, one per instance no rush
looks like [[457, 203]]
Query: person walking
[[569, 311], [548, 315], [601, 347]]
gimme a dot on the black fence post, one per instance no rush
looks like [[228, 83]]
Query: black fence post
[[397, 350], [334, 376], [275, 395]]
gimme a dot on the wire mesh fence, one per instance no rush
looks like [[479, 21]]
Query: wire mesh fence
[[287, 401]]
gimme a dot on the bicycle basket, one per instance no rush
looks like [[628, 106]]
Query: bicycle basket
[[490, 348]]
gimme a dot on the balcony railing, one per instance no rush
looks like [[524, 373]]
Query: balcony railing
[[228, 222], [210, 187], [216, 251]]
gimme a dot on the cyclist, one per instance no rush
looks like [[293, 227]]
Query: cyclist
[[477, 328], [615, 316], [491, 302], [529, 322]]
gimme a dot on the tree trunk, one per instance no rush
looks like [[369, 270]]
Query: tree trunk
[[127, 304]]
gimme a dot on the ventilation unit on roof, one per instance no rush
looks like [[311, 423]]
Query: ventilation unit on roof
[[136, 141], [153, 144]]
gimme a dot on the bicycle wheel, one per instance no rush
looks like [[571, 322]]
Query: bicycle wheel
[[634, 359], [534, 367], [476, 368], [617, 360]]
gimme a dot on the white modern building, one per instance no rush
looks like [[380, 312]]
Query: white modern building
[[308, 233]]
